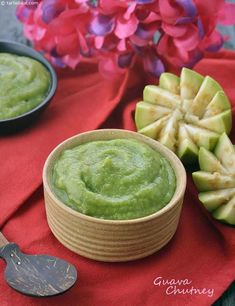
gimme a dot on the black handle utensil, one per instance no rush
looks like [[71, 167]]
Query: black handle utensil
[[36, 275]]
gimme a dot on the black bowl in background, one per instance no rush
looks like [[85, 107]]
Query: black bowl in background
[[17, 123]]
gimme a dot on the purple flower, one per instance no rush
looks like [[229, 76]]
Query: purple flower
[[101, 25], [51, 9]]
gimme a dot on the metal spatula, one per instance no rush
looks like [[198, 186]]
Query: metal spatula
[[36, 275]]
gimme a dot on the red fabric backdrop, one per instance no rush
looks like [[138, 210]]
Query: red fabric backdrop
[[202, 251]]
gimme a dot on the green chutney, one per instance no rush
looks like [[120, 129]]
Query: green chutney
[[24, 83], [113, 179]]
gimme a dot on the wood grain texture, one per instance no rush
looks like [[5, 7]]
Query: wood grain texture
[[113, 240], [37, 275]]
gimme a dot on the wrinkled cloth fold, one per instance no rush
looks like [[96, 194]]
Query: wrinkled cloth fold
[[202, 250]]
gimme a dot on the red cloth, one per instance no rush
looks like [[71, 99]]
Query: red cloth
[[202, 251]]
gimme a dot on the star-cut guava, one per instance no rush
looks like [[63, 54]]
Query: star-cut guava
[[216, 180], [184, 113]]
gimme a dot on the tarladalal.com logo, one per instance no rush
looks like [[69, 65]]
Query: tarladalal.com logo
[[181, 287], [17, 2]]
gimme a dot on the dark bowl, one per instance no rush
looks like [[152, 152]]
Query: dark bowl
[[17, 123]]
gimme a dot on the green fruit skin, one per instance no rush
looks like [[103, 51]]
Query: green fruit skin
[[170, 82], [147, 113], [226, 213], [190, 82], [224, 151], [156, 95], [218, 104], [214, 199], [205, 181], [208, 162], [187, 152], [216, 180], [220, 123], [152, 130], [204, 96], [209, 205]]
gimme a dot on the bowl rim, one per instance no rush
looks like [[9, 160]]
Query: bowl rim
[[175, 162], [40, 58]]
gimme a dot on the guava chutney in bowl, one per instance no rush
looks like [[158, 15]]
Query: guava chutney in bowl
[[113, 195], [27, 84], [24, 83], [114, 179]]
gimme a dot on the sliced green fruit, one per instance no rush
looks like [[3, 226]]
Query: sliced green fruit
[[217, 105], [209, 163], [187, 150], [216, 180], [213, 199], [202, 107], [226, 213], [212, 181], [224, 151], [152, 130], [168, 133], [190, 82], [219, 123], [204, 96], [156, 95], [202, 137], [147, 113], [170, 82]]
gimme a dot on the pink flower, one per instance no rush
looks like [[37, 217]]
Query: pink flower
[[188, 30], [125, 28], [162, 33], [59, 28]]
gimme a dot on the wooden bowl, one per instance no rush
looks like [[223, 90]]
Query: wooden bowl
[[113, 240]]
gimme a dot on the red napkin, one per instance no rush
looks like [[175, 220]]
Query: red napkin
[[201, 256]]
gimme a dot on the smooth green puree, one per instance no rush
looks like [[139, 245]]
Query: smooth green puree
[[113, 179], [24, 83]]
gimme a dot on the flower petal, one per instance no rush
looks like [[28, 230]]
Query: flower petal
[[184, 20], [188, 6], [194, 57], [99, 40], [51, 9], [121, 45], [145, 1], [138, 41], [152, 64], [23, 13], [216, 41], [190, 40], [126, 28], [200, 28], [124, 60], [67, 44], [72, 60], [169, 12], [174, 30], [101, 25], [111, 6], [146, 32], [58, 62], [83, 43], [171, 54], [129, 11]]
